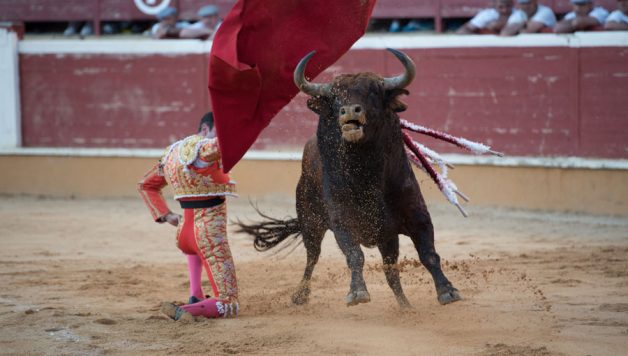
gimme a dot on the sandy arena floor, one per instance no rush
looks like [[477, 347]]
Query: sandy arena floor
[[87, 277]]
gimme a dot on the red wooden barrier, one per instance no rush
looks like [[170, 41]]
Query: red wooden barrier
[[602, 102], [529, 101], [110, 100]]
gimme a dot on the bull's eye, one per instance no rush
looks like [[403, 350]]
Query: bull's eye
[[358, 109], [342, 111]]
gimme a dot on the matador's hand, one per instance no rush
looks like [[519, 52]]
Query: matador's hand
[[172, 219]]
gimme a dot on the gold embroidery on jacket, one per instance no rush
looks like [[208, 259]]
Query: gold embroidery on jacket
[[185, 180]]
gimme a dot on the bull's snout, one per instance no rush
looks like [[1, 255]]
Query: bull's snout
[[352, 119], [351, 110]]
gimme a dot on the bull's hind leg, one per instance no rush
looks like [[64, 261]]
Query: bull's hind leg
[[422, 235], [390, 253], [312, 242]]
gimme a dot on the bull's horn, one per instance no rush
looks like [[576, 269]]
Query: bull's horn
[[312, 89], [403, 80]]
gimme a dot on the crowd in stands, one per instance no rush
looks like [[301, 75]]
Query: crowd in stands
[[505, 17], [168, 25], [528, 16]]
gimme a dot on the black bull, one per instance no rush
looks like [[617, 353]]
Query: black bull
[[356, 180]]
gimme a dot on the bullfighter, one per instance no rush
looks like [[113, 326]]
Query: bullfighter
[[192, 167]]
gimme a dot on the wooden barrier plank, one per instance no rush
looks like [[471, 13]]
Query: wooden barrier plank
[[602, 102], [112, 100], [516, 100]]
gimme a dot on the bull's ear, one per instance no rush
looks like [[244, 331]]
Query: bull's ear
[[320, 105], [394, 103]]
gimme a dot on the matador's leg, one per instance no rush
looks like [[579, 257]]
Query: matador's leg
[[186, 242], [210, 230]]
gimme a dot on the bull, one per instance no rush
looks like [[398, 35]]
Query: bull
[[357, 181]]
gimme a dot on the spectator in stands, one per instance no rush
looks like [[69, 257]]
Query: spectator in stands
[[79, 28], [169, 25], [584, 17], [532, 18], [489, 21], [206, 27], [411, 25], [618, 19]]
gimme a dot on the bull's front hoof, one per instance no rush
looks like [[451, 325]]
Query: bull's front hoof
[[357, 297], [302, 296], [448, 295]]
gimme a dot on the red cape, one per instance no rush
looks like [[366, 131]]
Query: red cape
[[254, 54]]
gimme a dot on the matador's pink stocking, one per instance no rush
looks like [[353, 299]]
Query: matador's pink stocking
[[195, 268]]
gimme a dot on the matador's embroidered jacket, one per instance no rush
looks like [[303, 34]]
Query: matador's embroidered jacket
[[192, 167]]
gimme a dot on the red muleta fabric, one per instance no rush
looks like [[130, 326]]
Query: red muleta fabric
[[254, 54]]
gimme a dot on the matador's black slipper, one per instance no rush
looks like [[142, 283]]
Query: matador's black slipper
[[193, 300]]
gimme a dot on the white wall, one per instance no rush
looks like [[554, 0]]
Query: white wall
[[10, 135]]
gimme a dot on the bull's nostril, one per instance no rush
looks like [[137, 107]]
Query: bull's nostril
[[358, 109]]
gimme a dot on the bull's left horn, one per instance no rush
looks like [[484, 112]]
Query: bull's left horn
[[312, 89], [403, 80]]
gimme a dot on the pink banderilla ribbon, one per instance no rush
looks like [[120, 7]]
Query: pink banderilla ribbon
[[423, 158]]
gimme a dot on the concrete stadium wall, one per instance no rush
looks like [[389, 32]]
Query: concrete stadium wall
[[10, 126]]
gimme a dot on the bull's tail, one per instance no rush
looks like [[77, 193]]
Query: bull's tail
[[271, 232]]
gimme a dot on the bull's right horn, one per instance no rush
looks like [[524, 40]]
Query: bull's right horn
[[403, 80], [311, 89]]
